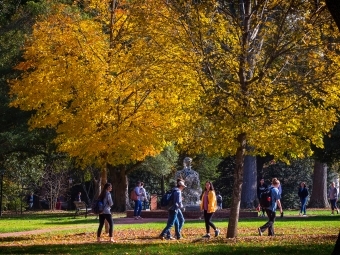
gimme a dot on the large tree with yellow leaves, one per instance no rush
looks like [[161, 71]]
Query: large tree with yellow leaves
[[109, 79], [269, 75]]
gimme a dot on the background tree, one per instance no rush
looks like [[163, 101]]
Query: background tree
[[111, 91], [262, 66]]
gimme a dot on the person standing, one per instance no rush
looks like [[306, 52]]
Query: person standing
[[209, 206], [219, 200], [143, 196], [303, 195], [138, 204], [271, 210], [105, 196], [333, 197], [173, 212], [260, 188], [30, 201], [78, 198]]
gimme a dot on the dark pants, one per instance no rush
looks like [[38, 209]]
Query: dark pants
[[333, 204], [102, 218], [270, 223], [207, 220]]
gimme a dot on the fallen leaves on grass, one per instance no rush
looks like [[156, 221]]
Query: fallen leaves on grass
[[149, 236]]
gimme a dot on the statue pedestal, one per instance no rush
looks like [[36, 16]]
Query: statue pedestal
[[192, 208]]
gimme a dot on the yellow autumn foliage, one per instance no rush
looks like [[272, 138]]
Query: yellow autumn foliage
[[271, 75], [111, 101], [198, 72]]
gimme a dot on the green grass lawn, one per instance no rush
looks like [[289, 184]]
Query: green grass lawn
[[312, 235]]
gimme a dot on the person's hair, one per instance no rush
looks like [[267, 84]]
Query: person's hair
[[304, 184], [137, 183], [211, 185], [275, 181], [142, 183], [103, 193]]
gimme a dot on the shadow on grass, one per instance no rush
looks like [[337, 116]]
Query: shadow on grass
[[173, 248]]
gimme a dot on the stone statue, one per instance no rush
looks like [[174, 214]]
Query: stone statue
[[192, 193]]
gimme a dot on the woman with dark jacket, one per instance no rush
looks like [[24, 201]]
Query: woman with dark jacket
[[303, 194]]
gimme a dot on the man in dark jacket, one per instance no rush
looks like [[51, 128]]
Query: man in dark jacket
[[260, 188]]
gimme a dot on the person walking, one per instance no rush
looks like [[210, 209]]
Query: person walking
[[173, 213], [138, 203], [105, 196], [303, 195], [260, 188], [333, 195], [209, 206], [271, 210]]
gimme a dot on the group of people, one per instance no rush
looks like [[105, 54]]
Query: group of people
[[175, 216], [276, 191], [208, 205], [333, 195]]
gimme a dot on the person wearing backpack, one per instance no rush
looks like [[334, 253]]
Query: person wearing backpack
[[209, 206], [105, 196], [174, 211], [303, 194], [271, 210]]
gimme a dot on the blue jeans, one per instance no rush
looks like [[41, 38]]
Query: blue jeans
[[138, 208], [333, 204], [179, 224], [172, 220], [303, 205]]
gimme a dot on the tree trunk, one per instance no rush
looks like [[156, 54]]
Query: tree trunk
[[248, 196], [318, 198], [119, 188], [237, 188]]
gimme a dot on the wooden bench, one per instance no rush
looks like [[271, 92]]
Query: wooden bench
[[81, 207]]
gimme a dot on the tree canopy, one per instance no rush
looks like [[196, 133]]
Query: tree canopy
[[114, 94]]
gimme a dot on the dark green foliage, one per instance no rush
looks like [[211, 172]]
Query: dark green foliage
[[290, 177], [224, 183]]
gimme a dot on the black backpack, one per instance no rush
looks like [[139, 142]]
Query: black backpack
[[266, 197], [167, 199]]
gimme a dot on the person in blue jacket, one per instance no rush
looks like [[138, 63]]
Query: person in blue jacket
[[271, 211], [174, 211]]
